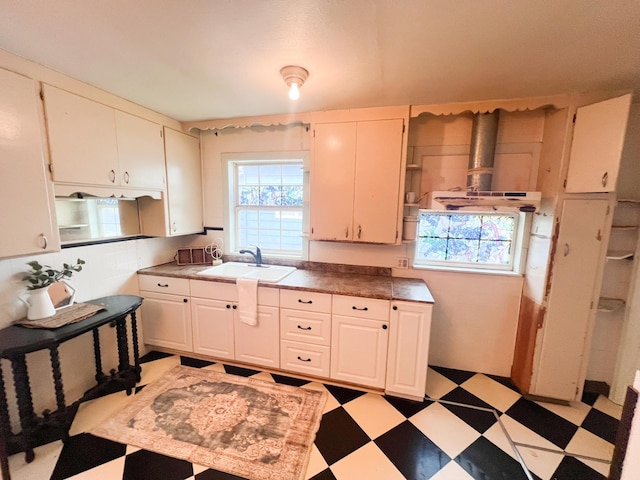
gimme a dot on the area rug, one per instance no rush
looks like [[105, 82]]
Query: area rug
[[247, 427]]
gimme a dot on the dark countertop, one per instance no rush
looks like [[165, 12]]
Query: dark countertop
[[336, 280]]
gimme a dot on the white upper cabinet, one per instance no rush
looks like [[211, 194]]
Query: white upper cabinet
[[140, 152], [82, 139], [93, 144], [355, 181], [27, 222], [598, 138]]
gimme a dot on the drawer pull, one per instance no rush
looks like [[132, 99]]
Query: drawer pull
[[309, 302], [166, 285], [303, 359], [228, 306], [304, 328], [234, 307], [361, 309]]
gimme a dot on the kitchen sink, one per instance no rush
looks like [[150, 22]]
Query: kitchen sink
[[264, 273]]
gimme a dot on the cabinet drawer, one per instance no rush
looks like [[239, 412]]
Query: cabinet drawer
[[306, 327], [309, 359], [155, 283], [361, 307], [229, 292], [308, 301]]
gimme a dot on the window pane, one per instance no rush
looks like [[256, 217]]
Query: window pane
[[434, 249], [248, 196], [248, 175], [497, 227], [270, 174], [292, 174], [462, 250], [465, 226], [292, 196], [271, 195], [498, 252], [434, 225]]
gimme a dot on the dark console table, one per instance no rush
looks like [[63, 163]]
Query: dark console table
[[17, 341]]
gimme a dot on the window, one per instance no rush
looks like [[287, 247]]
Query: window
[[468, 240], [266, 205]]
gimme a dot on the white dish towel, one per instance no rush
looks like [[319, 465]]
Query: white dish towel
[[248, 300]]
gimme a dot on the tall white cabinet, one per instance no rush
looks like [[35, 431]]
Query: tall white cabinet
[[27, 220]]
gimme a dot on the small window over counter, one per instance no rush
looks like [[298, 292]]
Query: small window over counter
[[93, 219]]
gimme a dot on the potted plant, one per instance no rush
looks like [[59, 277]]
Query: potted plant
[[39, 279]]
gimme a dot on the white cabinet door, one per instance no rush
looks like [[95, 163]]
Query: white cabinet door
[[407, 360], [140, 152], [562, 350], [259, 344], [377, 181], [598, 138], [213, 327], [27, 220], [184, 182], [82, 139], [332, 181], [359, 350], [166, 321]]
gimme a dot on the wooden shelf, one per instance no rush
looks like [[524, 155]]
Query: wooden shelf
[[609, 304], [619, 254], [629, 200], [624, 227]]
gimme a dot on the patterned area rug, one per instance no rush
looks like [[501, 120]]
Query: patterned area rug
[[243, 426]]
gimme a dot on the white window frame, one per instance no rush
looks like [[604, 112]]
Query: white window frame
[[518, 250], [229, 160]]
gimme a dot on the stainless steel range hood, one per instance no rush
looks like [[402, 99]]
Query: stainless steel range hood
[[478, 194]]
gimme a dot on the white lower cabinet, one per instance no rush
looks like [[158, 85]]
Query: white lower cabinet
[[362, 341], [166, 314], [407, 359], [359, 340], [219, 332]]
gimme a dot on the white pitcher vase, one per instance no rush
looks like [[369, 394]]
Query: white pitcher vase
[[39, 304]]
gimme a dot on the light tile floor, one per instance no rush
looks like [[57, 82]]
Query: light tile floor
[[473, 426]]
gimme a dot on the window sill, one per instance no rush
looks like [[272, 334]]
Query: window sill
[[440, 268]]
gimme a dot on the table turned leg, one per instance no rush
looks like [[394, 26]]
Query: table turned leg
[[25, 402], [136, 348], [123, 344], [97, 354], [57, 378], [5, 429]]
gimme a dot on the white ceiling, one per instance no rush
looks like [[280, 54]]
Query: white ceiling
[[205, 59]]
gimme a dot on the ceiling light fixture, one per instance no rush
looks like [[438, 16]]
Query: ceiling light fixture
[[294, 77]]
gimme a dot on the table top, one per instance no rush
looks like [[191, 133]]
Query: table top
[[18, 340]]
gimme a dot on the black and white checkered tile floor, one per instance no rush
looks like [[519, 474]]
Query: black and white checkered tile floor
[[473, 427]]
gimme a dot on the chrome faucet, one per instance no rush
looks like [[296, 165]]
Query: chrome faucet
[[257, 256]]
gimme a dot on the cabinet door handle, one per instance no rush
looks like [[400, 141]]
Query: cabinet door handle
[[185, 300], [395, 307], [234, 307], [45, 241], [304, 328], [303, 359], [126, 177], [173, 226], [566, 249], [161, 285], [346, 232], [112, 175], [384, 327], [605, 179], [359, 231], [308, 302], [228, 306], [364, 309]]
